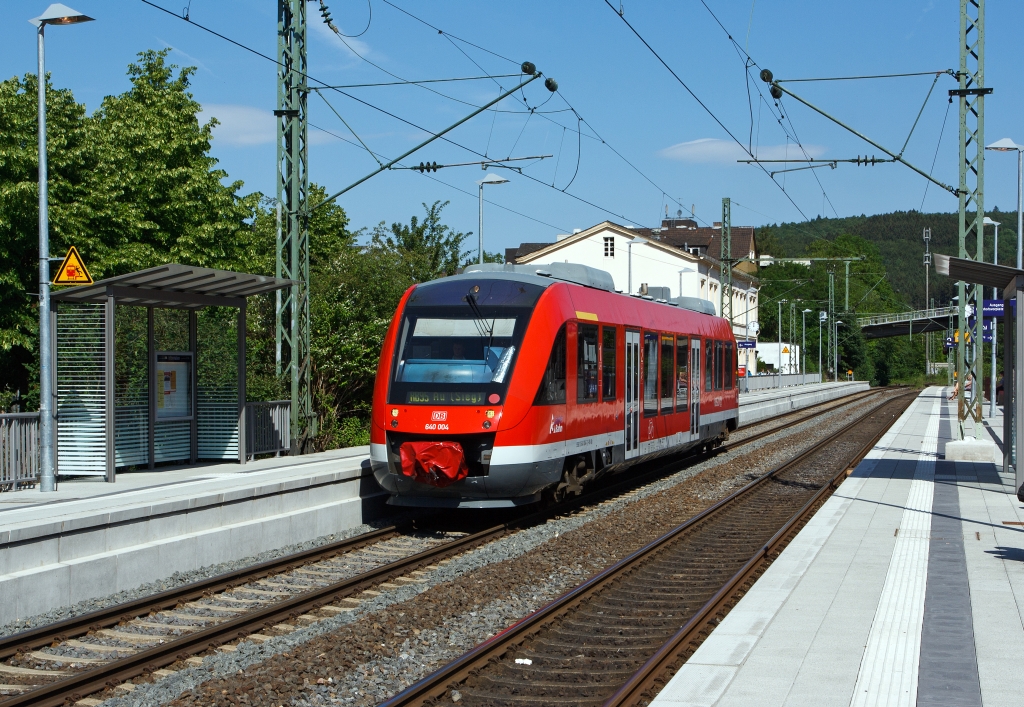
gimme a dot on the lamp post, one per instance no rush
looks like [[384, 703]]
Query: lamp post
[[1008, 145], [995, 295], [822, 316], [835, 350], [681, 278], [55, 14], [781, 302], [489, 179], [803, 341]]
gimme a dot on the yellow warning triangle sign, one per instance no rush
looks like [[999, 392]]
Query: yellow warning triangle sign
[[785, 349], [72, 270]]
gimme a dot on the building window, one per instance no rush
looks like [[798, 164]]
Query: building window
[[609, 246]]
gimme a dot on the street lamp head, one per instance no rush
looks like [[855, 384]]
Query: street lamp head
[[990, 222], [58, 14], [807, 311], [492, 179], [1004, 145]]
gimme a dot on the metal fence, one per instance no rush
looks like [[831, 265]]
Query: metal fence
[[267, 427], [19, 450], [751, 383]]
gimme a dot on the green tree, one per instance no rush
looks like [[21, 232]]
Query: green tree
[[429, 248]]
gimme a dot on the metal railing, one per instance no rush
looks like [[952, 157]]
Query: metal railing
[[19, 450], [751, 383], [892, 318], [267, 427]]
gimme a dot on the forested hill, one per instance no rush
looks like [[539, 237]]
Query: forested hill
[[898, 237]]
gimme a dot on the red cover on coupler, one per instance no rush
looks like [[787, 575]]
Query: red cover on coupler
[[436, 463]]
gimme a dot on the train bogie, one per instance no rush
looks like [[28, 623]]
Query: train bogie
[[507, 382]]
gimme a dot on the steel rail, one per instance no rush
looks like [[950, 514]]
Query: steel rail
[[434, 686], [148, 660], [41, 636], [645, 681]]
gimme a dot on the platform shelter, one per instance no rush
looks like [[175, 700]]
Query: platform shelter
[[149, 369], [1009, 281]]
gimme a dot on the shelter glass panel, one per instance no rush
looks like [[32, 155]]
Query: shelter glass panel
[[81, 390], [217, 383], [131, 386], [172, 441]]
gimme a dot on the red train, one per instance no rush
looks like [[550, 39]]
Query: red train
[[510, 381]]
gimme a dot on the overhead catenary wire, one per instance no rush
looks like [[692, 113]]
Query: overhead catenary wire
[[441, 181], [700, 102], [596, 136], [324, 84]]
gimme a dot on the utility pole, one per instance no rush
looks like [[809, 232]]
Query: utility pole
[[971, 93], [293, 235], [792, 333], [725, 274], [846, 304], [927, 267]]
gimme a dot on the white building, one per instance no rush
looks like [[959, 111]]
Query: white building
[[781, 356], [679, 257]]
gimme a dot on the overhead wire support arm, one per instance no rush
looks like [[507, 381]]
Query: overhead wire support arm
[[777, 90], [483, 164], [527, 68]]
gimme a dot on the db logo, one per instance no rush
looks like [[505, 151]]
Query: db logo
[[439, 415]]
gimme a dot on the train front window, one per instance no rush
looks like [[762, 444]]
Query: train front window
[[458, 340]]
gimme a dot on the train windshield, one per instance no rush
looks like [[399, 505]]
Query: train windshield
[[458, 341]]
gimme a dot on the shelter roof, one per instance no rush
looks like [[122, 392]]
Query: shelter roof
[[175, 286]]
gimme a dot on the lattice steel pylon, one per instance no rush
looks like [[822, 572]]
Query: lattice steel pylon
[[971, 94], [293, 234], [726, 262]]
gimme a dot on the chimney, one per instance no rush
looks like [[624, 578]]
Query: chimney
[[716, 224]]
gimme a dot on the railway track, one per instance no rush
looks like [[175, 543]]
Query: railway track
[[615, 639], [67, 661]]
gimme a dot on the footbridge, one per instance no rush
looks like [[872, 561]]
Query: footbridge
[[880, 326]]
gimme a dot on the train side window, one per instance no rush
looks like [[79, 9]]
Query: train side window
[[586, 363], [682, 373], [730, 365], [552, 385], [709, 365], [608, 350], [650, 373], [719, 364], [667, 377]]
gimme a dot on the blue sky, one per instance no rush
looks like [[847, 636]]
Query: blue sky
[[616, 86]]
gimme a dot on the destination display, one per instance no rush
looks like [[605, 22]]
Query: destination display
[[445, 397]]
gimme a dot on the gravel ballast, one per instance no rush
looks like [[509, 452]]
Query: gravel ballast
[[365, 655]]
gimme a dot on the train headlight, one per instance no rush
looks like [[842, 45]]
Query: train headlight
[[489, 414], [487, 424], [394, 412], [394, 423]]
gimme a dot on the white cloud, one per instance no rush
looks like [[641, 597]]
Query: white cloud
[[713, 150], [355, 46], [240, 125], [244, 126]]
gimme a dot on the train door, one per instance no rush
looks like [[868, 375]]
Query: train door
[[695, 385], [632, 393]]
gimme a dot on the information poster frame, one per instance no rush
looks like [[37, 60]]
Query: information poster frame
[[174, 393]]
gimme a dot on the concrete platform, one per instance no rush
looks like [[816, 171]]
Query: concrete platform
[[90, 538], [906, 588], [761, 404]]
